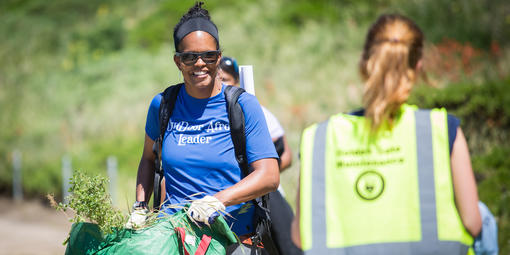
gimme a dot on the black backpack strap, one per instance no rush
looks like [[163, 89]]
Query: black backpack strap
[[169, 96], [237, 125], [236, 122]]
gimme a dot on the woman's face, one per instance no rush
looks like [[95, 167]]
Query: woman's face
[[199, 75], [227, 78]]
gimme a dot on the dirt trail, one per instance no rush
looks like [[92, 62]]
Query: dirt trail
[[29, 227]]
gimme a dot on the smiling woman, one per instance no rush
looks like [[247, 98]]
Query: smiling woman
[[198, 61], [197, 152]]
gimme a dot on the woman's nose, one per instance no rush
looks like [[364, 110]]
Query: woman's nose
[[200, 62]]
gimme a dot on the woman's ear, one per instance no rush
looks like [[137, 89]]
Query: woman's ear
[[177, 61], [219, 59]]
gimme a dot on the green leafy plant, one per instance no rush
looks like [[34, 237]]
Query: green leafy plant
[[90, 201]]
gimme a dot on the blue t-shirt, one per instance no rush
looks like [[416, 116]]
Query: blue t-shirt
[[198, 153]]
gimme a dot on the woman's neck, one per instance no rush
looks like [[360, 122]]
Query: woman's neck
[[204, 92]]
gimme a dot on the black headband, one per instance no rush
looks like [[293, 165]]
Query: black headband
[[195, 24]]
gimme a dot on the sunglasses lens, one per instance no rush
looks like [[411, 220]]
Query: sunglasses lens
[[210, 56], [189, 58]]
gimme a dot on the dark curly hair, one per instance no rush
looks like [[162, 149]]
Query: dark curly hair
[[194, 12]]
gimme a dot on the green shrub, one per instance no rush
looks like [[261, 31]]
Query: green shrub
[[454, 19], [493, 175], [90, 201], [156, 27], [483, 109]]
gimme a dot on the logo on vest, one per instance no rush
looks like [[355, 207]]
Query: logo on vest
[[370, 185]]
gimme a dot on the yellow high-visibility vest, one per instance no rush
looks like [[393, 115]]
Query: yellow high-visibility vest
[[386, 194]]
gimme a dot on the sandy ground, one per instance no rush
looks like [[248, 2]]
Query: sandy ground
[[30, 227]]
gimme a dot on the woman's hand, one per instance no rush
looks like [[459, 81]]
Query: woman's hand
[[205, 209]]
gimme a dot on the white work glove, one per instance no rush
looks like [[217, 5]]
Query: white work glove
[[137, 218], [205, 210]]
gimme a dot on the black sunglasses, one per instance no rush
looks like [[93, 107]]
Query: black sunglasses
[[190, 58]]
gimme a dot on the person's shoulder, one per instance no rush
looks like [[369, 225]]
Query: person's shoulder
[[452, 118], [247, 97], [358, 112], [248, 101], [453, 121], [156, 101], [243, 97]]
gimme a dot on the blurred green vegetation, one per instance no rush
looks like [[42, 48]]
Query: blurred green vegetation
[[77, 77]]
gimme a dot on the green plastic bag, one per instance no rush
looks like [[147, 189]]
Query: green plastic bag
[[175, 234]]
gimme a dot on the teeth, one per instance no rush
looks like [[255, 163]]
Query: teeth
[[199, 73]]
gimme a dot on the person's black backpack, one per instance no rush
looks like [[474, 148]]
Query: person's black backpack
[[236, 121]]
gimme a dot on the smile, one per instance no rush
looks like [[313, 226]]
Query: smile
[[199, 73]]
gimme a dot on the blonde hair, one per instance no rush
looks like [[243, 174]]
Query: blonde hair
[[393, 47]]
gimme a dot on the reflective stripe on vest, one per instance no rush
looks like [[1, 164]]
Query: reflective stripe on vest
[[429, 243]]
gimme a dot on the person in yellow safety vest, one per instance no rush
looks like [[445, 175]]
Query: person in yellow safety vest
[[387, 179]]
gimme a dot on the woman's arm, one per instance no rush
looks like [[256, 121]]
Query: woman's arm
[[464, 185], [145, 176], [286, 157], [264, 179], [260, 151]]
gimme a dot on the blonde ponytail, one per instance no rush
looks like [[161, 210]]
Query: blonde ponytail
[[388, 66]]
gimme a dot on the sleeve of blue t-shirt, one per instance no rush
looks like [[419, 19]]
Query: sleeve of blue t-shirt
[[258, 141], [152, 123], [453, 124]]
